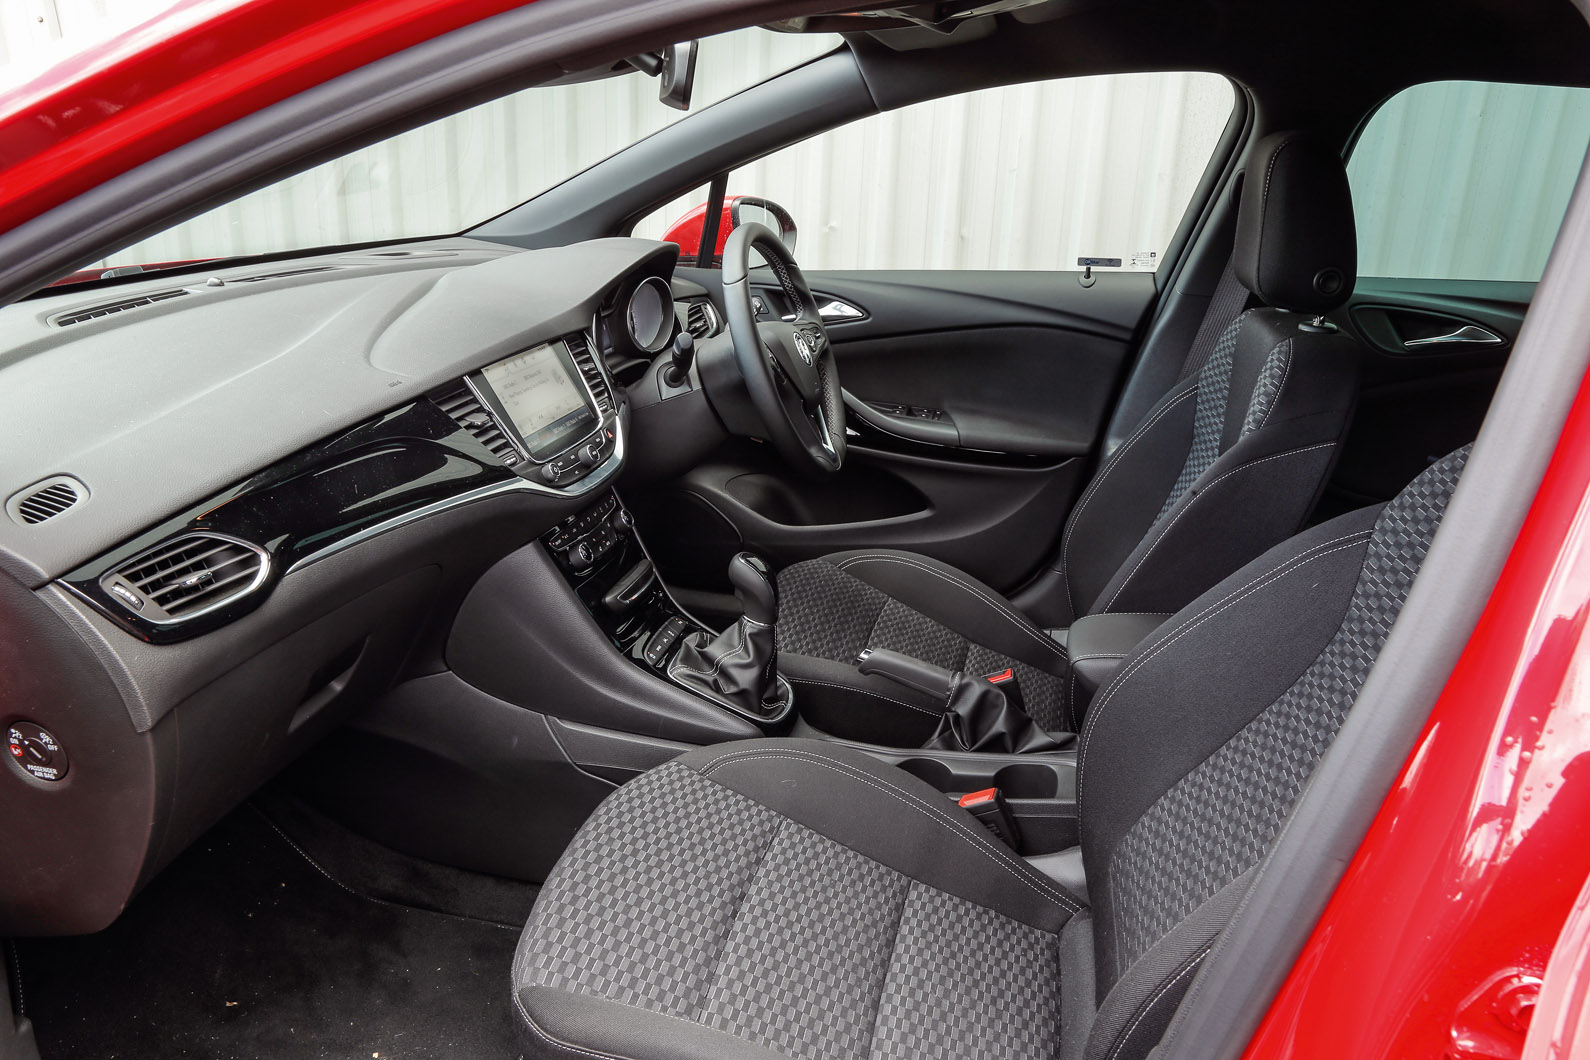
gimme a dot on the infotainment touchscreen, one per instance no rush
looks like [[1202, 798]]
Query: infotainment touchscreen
[[542, 396]]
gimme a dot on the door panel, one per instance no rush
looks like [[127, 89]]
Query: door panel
[[974, 400], [1424, 392]]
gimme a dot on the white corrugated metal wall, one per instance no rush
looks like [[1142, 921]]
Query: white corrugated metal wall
[[1030, 176], [1023, 177], [1462, 180]]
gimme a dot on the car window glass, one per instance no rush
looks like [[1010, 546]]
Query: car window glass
[[1030, 176], [463, 169], [1466, 180]]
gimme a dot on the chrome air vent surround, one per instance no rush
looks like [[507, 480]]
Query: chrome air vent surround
[[105, 309], [187, 576], [701, 319], [45, 499], [465, 409]]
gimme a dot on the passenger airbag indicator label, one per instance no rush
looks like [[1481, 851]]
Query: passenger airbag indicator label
[[36, 751]]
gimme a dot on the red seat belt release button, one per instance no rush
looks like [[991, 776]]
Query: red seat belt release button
[[989, 807]]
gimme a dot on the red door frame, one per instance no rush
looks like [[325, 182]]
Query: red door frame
[[1434, 942]]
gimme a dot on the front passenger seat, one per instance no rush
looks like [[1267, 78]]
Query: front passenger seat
[[1228, 463], [799, 898]]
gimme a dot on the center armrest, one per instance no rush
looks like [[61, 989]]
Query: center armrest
[[1097, 645]]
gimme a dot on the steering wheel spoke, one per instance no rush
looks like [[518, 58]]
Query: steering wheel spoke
[[805, 417], [788, 365]]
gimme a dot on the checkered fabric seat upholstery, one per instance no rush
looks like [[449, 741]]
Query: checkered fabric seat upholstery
[[1229, 462], [797, 898]]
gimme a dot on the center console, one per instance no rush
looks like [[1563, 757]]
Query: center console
[[599, 553]]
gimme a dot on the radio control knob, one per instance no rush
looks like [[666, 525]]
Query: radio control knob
[[591, 455], [549, 473], [622, 521], [582, 555]]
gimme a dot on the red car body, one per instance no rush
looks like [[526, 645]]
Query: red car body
[[1437, 939]]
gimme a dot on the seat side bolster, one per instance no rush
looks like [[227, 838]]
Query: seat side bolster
[[890, 816], [1134, 1014], [1263, 487], [956, 600], [1254, 498], [1121, 503], [565, 1025]]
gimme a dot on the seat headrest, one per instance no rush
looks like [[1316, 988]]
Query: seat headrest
[[1296, 246]]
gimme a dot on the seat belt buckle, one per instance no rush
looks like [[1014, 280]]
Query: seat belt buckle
[[989, 807], [1005, 681]]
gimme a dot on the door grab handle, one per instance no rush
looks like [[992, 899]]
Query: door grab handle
[[1469, 334]]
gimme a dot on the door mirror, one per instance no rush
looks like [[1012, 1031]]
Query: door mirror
[[746, 209], [737, 210]]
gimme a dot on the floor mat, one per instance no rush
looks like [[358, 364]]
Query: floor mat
[[375, 871], [243, 949]]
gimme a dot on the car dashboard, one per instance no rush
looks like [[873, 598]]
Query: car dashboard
[[240, 501]]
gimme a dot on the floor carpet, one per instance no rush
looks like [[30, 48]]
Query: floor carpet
[[246, 949]]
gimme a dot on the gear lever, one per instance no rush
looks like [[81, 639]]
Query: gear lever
[[737, 667], [754, 588], [678, 371]]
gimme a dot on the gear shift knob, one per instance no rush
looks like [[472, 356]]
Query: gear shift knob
[[754, 588]]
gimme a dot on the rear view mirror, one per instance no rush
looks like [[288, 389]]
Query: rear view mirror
[[678, 75], [675, 70]]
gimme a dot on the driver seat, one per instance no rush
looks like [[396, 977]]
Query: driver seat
[[1231, 461]]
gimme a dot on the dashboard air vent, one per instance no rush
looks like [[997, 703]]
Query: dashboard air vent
[[45, 500], [466, 411], [186, 577], [580, 349], [105, 309], [701, 319], [284, 274]]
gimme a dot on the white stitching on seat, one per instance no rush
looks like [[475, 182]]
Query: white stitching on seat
[[1098, 482], [16, 962], [1148, 1006], [1017, 620], [1264, 210], [1000, 856], [865, 692], [1197, 495], [986, 847], [1096, 710], [558, 1043]]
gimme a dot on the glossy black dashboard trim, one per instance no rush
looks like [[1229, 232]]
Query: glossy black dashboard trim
[[391, 470]]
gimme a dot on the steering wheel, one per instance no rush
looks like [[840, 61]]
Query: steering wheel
[[788, 365]]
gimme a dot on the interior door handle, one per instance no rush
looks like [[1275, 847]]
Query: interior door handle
[[834, 309], [1469, 334]]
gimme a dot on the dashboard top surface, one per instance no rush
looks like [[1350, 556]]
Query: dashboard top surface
[[158, 407]]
